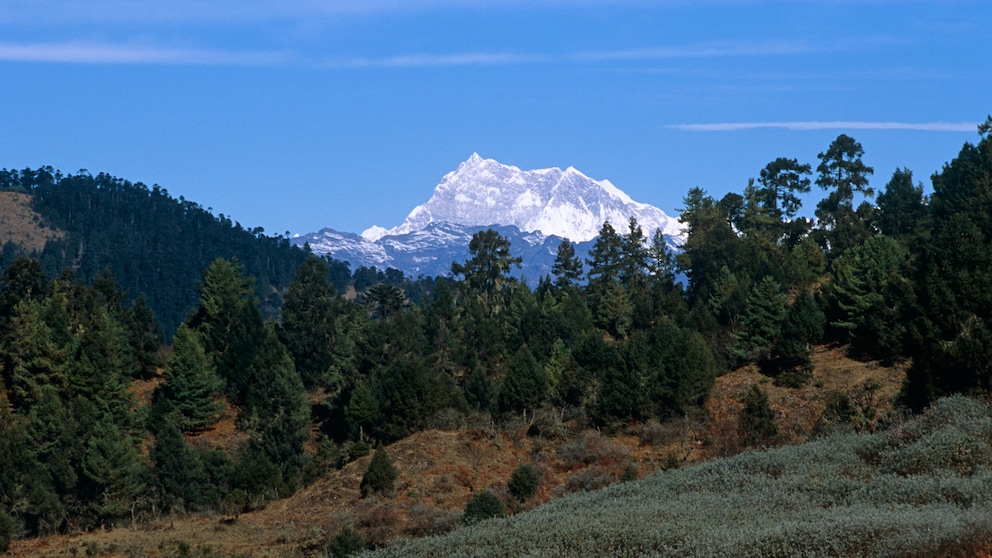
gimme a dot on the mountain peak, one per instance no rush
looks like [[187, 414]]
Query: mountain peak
[[568, 204]]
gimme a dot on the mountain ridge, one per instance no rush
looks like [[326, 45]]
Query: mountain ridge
[[534, 209]]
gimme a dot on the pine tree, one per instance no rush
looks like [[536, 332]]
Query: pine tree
[[842, 172], [380, 476], [191, 382], [229, 320], [567, 268], [761, 323], [757, 420], [276, 411], [308, 323], [525, 384]]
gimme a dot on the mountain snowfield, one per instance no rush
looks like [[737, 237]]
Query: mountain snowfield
[[554, 202], [533, 209]]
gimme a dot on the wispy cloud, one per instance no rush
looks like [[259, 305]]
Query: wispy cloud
[[91, 53], [705, 50], [830, 125], [431, 60]]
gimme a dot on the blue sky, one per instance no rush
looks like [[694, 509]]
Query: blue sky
[[303, 114]]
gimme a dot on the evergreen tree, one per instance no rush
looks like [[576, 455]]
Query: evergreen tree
[[362, 410], [761, 324], [902, 209], [757, 420], [380, 476], [711, 244], [842, 172], [567, 268], [868, 296], [276, 413], [144, 336], [782, 180], [634, 258], [791, 359], [308, 323], [605, 258], [486, 272], [230, 322], [952, 330], [113, 469], [385, 300], [525, 384], [191, 382]]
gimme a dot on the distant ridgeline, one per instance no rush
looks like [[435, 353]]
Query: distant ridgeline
[[152, 243]]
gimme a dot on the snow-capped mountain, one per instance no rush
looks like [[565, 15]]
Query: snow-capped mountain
[[534, 210], [431, 251], [555, 202]]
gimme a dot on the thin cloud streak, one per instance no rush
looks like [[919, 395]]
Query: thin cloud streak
[[433, 61], [714, 50], [85, 53], [830, 125]]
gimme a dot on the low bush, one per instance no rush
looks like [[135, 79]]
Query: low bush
[[484, 505], [524, 482]]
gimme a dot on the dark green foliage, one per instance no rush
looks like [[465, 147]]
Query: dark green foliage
[[309, 325], [380, 476], [761, 323], [384, 300], [524, 482], [276, 415], [781, 181], [791, 357], [952, 331], [525, 385], [188, 478], [710, 245], [191, 383], [842, 172], [137, 232], [868, 295], [483, 505], [486, 273], [567, 268], [902, 210], [230, 322], [605, 257], [757, 420], [6, 531], [348, 541], [144, 336]]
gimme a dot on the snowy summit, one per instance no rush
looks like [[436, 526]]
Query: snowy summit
[[554, 202]]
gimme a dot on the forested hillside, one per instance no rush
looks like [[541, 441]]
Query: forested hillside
[[607, 343], [152, 243]]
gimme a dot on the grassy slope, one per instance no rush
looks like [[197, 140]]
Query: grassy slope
[[21, 224], [924, 489], [439, 472]]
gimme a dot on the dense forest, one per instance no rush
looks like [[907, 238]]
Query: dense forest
[[607, 341], [152, 243]]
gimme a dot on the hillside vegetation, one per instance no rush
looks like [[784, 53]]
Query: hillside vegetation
[[441, 470], [153, 244], [262, 394], [921, 489]]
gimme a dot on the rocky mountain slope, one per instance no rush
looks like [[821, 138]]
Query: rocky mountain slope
[[533, 209]]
